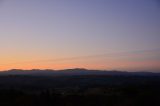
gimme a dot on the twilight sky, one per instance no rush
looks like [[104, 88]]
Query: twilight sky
[[93, 34]]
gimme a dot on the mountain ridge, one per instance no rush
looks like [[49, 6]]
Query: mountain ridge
[[75, 71]]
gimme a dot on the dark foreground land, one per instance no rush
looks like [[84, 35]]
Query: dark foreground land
[[82, 90]]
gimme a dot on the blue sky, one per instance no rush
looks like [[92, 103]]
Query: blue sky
[[32, 30]]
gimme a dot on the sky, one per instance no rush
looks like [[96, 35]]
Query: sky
[[93, 34]]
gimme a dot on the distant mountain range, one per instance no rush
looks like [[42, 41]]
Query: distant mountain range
[[76, 71]]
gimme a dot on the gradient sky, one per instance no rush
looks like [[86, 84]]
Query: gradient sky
[[94, 34]]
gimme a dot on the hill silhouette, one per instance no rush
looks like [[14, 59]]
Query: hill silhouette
[[78, 87], [75, 71]]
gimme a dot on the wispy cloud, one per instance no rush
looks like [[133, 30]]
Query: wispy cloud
[[137, 53]]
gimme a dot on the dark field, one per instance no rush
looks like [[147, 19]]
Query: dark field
[[82, 90]]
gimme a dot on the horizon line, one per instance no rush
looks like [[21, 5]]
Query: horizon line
[[155, 71]]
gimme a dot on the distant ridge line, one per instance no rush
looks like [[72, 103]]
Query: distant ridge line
[[75, 71]]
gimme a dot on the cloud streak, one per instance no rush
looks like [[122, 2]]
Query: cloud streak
[[94, 56]]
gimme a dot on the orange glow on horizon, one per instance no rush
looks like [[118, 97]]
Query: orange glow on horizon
[[102, 65], [129, 61]]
